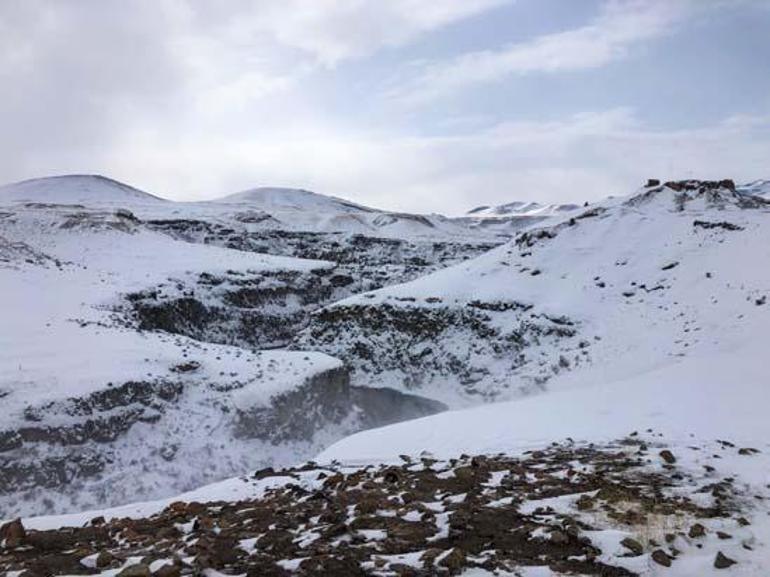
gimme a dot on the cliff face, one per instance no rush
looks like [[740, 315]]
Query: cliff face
[[103, 445]]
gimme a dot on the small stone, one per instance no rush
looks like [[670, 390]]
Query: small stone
[[661, 558], [723, 562], [722, 535], [454, 561], [633, 545], [12, 533], [743, 521], [585, 503], [559, 537], [696, 531], [667, 456], [138, 570], [103, 559], [168, 570]]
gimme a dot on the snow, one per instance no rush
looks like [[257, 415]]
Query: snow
[[520, 208], [709, 397], [75, 189], [60, 346], [640, 283], [683, 365]]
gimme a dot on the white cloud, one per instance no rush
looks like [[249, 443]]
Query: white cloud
[[584, 157], [620, 26], [334, 30]]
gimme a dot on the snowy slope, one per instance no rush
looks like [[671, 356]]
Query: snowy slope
[[757, 187], [627, 284], [640, 320], [510, 218], [709, 410], [520, 208], [297, 209], [87, 189], [97, 412]]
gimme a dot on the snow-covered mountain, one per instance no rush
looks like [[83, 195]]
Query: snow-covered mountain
[[303, 210], [623, 341], [622, 285], [510, 218], [129, 360], [86, 189]]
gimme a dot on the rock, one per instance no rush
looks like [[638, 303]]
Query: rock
[[723, 562], [722, 535], [633, 545], [12, 533], [652, 182], [667, 456], [696, 531], [584, 503], [748, 451], [104, 559], [559, 537], [743, 521], [661, 558], [428, 558], [168, 570], [138, 570], [454, 561]]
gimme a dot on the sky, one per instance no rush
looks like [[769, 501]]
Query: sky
[[410, 105]]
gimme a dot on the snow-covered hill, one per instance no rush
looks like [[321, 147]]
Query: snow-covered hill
[[102, 408], [303, 210], [640, 322], [510, 218], [624, 285], [85, 189]]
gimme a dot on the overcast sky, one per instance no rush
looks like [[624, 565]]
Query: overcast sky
[[417, 105]]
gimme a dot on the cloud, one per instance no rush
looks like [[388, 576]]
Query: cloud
[[620, 26], [78, 77], [583, 157], [335, 30]]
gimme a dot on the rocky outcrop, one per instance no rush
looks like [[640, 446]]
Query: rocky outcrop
[[422, 345]]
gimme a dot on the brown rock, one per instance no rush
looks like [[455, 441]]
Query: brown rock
[[168, 570], [455, 560], [559, 537], [584, 503], [12, 533], [667, 456], [723, 562], [104, 559], [138, 570], [633, 545], [696, 531], [661, 558]]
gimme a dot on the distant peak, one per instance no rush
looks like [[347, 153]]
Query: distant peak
[[268, 197], [74, 188], [519, 208]]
